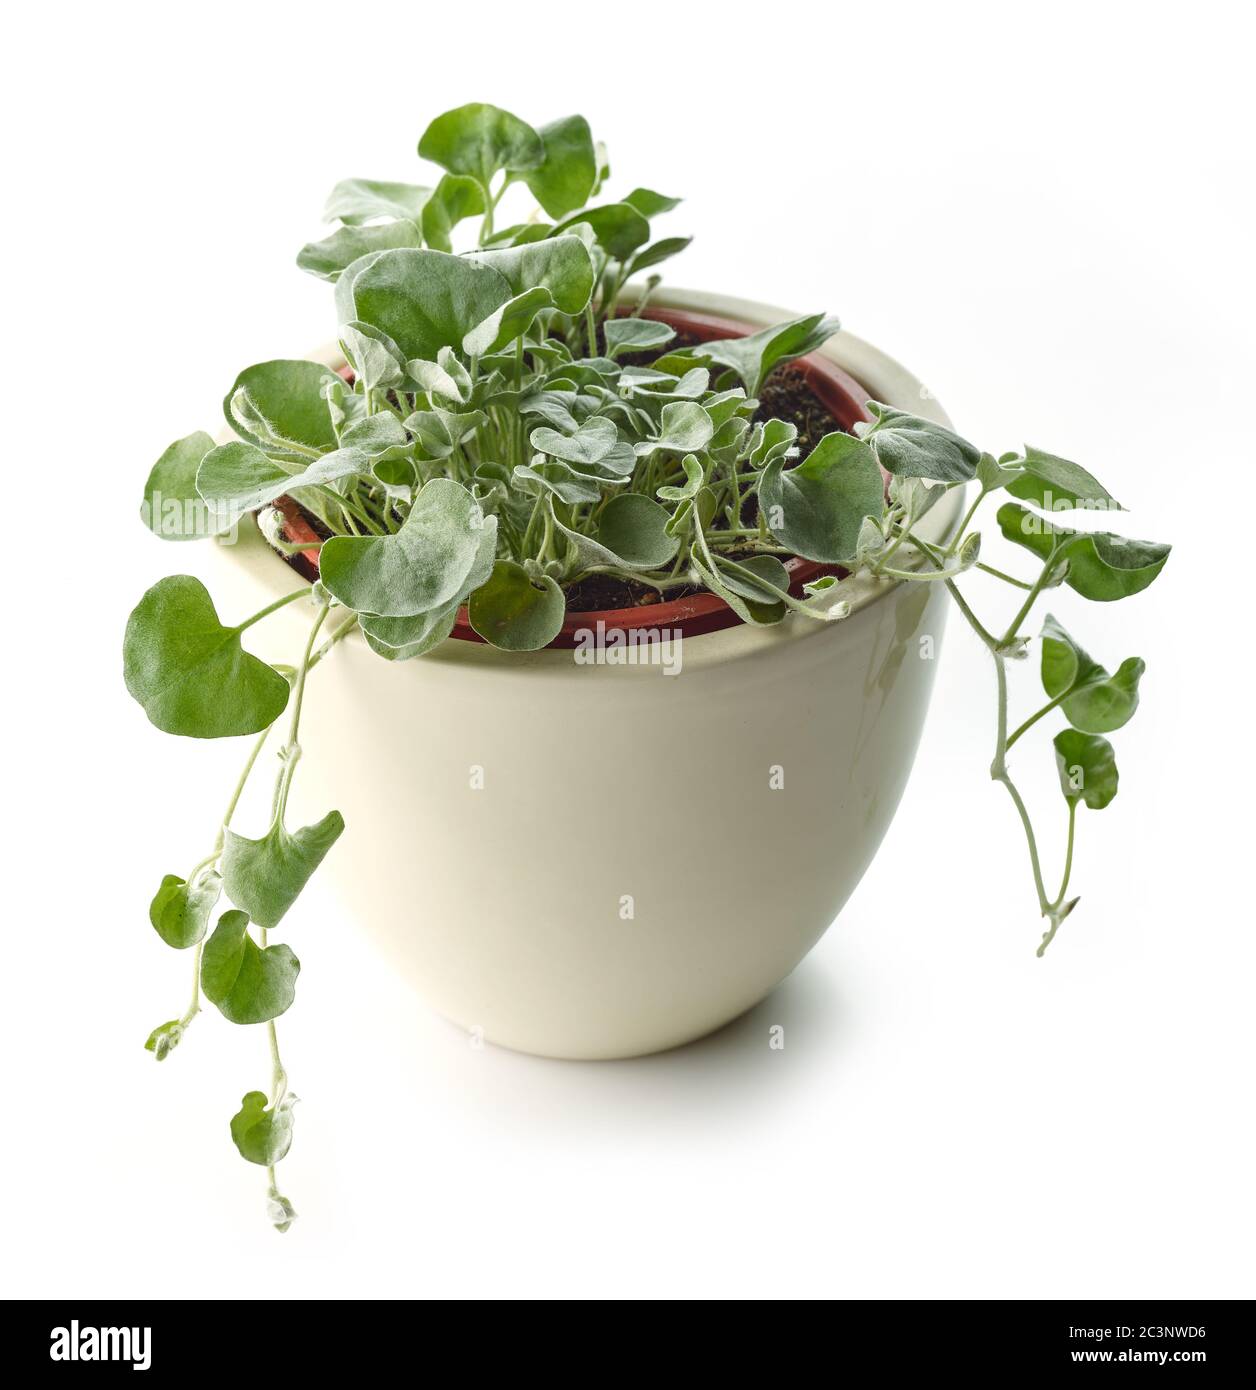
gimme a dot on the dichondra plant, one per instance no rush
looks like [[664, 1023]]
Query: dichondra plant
[[510, 423]]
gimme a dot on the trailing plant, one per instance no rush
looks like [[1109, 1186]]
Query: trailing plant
[[511, 423]]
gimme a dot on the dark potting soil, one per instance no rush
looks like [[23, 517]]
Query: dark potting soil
[[785, 396]]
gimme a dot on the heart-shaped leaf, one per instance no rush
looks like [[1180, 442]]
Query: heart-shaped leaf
[[354, 201], [180, 911], [634, 527], [1054, 483], [695, 477], [817, 508], [913, 447], [651, 204], [247, 983], [234, 479], [1087, 768], [445, 377], [591, 442], [263, 1135], [747, 588], [685, 428], [280, 404], [635, 335], [479, 139], [507, 322], [1099, 702], [190, 672], [376, 360], [754, 357], [656, 253], [172, 507], [402, 639], [422, 567], [329, 257], [515, 611], [564, 179], [440, 432], [264, 877], [1101, 566], [618, 228], [560, 479], [426, 300], [456, 198], [559, 264]]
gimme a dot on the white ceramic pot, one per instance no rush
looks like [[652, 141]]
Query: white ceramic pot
[[597, 861]]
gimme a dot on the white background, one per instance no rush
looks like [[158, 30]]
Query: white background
[[1046, 212]]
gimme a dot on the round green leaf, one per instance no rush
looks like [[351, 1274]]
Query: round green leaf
[[282, 403], [189, 672], [564, 179], [618, 228], [265, 877], [261, 1135], [560, 264], [910, 446], [506, 323], [180, 911], [1099, 702], [1087, 768], [1101, 566], [817, 508], [480, 139], [516, 612], [329, 257], [172, 507], [634, 527], [1054, 483], [422, 567], [456, 198], [247, 983], [426, 300], [354, 201]]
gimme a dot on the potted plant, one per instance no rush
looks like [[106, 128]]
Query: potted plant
[[633, 599]]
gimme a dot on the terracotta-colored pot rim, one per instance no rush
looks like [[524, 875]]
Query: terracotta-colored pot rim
[[840, 393]]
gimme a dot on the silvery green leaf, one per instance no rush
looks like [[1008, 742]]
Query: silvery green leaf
[[618, 228], [754, 357], [507, 322], [422, 567], [993, 473], [635, 335], [516, 611], [180, 911], [264, 877], [1086, 764], [1054, 483], [189, 672], [280, 404], [426, 300], [163, 1040], [591, 441], [263, 1135], [770, 441], [656, 253], [631, 532], [817, 508], [695, 477], [373, 437], [651, 204], [440, 432], [237, 478], [355, 201], [402, 639], [329, 258], [376, 360], [1101, 566], [752, 602], [248, 984], [913, 447], [172, 507], [564, 179], [559, 264], [445, 377], [556, 408], [479, 140], [685, 427], [457, 197], [1099, 703], [560, 479]]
